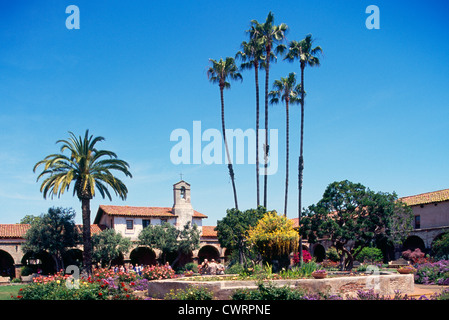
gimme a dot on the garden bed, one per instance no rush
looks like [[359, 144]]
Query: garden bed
[[224, 286]]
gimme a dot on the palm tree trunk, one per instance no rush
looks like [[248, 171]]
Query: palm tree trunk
[[267, 148], [287, 152], [231, 170], [301, 161], [256, 75], [87, 242]]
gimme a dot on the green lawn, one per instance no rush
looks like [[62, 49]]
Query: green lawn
[[7, 291]]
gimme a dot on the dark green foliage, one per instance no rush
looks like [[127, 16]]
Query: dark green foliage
[[440, 247], [350, 211], [268, 292], [233, 229], [108, 245], [53, 232], [168, 239]]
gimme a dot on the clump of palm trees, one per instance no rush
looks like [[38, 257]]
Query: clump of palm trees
[[267, 41]]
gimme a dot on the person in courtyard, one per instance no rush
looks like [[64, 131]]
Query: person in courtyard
[[205, 267], [212, 267], [220, 268]]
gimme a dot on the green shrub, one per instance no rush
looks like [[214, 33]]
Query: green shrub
[[190, 293], [26, 271], [369, 255], [236, 268], [268, 292], [191, 267], [332, 254], [440, 247]]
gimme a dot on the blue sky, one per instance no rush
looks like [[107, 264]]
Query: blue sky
[[376, 109]]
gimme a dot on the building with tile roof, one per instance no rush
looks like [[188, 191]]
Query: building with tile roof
[[430, 219], [127, 220], [430, 210]]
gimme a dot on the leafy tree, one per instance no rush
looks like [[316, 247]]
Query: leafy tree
[[53, 232], [267, 34], [29, 219], [108, 245], [286, 90], [232, 230], [308, 56], [440, 247], [274, 237], [219, 72], [168, 239], [188, 240], [351, 212], [89, 171]]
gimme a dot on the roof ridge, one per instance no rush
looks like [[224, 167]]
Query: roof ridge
[[424, 193]]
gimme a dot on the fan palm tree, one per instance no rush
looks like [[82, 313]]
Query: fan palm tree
[[87, 168], [307, 56], [252, 56], [219, 72], [267, 34], [286, 90]]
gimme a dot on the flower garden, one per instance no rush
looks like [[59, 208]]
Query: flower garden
[[104, 284], [114, 284]]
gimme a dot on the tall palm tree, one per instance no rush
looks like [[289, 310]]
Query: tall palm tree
[[87, 168], [252, 56], [286, 90], [307, 56], [267, 34], [219, 72]]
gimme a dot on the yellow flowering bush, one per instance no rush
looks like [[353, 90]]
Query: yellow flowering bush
[[274, 236]]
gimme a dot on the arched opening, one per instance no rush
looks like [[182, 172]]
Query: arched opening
[[319, 253], [73, 257], [412, 243], [441, 252], [208, 252], [227, 255], [41, 262], [143, 255], [6, 264], [183, 193]]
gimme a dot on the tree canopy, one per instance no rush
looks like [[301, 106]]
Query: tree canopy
[[108, 245], [54, 232], [232, 230], [351, 213], [168, 239], [274, 236]]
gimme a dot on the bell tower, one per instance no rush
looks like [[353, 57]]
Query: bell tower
[[182, 206]]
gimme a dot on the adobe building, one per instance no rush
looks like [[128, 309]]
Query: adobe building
[[430, 219], [130, 221], [430, 211], [127, 220]]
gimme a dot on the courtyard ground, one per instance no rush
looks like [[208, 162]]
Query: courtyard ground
[[427, 290]]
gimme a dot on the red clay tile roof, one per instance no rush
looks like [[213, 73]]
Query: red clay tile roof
[[208, 231], [429, 197], [17, 231], [12, 231], [141, 211]]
